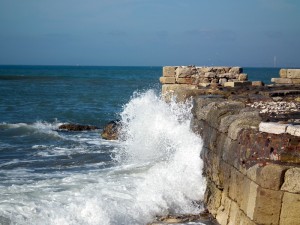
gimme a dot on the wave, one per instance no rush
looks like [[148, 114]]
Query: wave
[[157, 170]]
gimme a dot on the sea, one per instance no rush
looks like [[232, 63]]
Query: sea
[[55, 177]]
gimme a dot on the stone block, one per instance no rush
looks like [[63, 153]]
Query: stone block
[[185, 71], [169, 71], [296, 81], [203, 84], [210, 75], [236, 70], [272, 128], [223, 211], [257, 83], [212, 198], [264, 205], [234, 214], [269, 176], [238, 84], [283, 73], [290, 212], [293, 73], [250, 122], [243, 77], [293, 130], [244, 220], [184, 80], [236, 187], [167, 80], [282, 80], [292, 181], [222, 81]]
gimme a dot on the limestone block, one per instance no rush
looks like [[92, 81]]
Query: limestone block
[[238, 84], [283, 73], [236, 70], [282, 80], [292, 181], [223, 211], [272, 128], [263, 206], [222, 81], [257, 83], [293, 73], [210, 75], [212, 198], [244, 220], [296, 81], [169, 71], [234, 214], [290, 212], [167, 80], [185, 71], [236, 187], [269, 176], [293, 130], [243, 77], [184, 80], [205, 69], [243, 123], [203, 84]]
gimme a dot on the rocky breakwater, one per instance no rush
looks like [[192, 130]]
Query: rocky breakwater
[[251, 150]]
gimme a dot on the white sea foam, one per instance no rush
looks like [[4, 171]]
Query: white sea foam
[[157, 171]]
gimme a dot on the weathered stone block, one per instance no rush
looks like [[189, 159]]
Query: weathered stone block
[[293, 130], [272, 128], [292, 181], [237, 83], [167, 80], [234, 214], [243, 77], [282, 80], [293, 73], [257, 83], [185, 71], [269, 176], [236, 70], [212, 198], [283, 73], [184, 80], [263, 205], [169, 71], [242, 123], [290, 209], [236, 187], [210, 75], [296, 81], [223, 211]]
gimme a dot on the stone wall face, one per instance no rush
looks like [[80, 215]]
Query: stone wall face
[[250, 177], [288, 76]]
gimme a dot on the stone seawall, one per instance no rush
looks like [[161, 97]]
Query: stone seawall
[[251, 150]]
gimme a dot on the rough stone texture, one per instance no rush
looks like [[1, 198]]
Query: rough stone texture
[[282, 80], [167, 80], [257, 83], [283, 73], [169, 71], [273, 128], [185, 71], [184, 80], [291, 181], [237, 83], [77, 127], [243, 77], [293, 73], [111, 130], [293, 130], [290, 209]]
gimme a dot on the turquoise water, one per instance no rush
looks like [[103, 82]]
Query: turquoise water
[[49, 176]]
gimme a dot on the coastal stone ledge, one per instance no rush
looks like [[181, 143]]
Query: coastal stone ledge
[[272, 128], [293, 73], [288, 77], [251, 144]]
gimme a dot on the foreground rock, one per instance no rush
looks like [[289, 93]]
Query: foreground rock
[[111, 130], [77, 127]]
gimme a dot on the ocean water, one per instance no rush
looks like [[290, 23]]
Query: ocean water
[[48, 176]]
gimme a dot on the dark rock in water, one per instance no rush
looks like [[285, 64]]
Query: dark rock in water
[[111, 130], [77, 127]]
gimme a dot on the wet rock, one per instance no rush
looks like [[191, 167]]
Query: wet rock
[[111, 130], [77, 127]]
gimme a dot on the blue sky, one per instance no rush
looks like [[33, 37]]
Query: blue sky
[[150, 32]]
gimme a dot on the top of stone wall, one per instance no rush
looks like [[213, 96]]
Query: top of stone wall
[[203, 76], [287, 77]]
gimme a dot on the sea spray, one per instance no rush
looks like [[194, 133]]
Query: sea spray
[[156, 170]]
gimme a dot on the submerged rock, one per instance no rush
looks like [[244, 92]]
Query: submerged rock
[[111, 130], [77, 127]]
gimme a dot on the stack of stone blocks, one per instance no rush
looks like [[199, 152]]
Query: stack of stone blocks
[[288, 76], [204, 76], [249, 180]]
